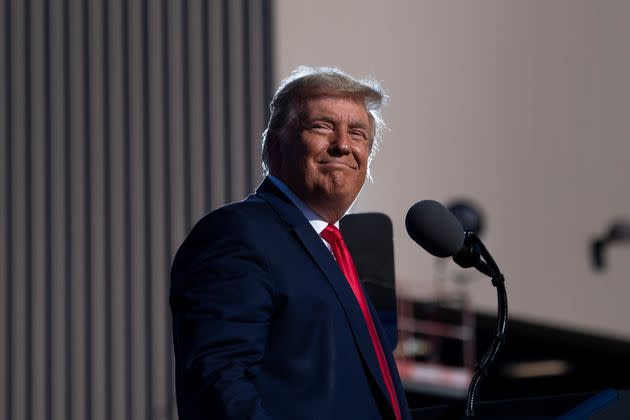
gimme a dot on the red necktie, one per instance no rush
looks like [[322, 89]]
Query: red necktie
[[332, 235]]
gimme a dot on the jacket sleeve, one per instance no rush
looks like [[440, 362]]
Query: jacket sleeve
[[221, 302]]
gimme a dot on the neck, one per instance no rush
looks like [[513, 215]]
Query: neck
[[328, 213]]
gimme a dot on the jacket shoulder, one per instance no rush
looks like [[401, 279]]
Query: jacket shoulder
[[243, 217], [242, 224]]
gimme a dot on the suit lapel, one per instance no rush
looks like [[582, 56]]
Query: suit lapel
[[328, 266]]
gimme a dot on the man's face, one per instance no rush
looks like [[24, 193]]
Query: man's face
[[325, 160]]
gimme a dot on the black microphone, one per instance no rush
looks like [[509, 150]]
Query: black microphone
[[434, 228], [437, 230]]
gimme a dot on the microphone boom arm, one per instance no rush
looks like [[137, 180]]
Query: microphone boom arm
[[475, 254]]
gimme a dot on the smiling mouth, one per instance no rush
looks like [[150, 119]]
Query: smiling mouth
[[336, 164]]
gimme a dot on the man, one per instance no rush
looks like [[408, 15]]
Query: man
[[269, 319]]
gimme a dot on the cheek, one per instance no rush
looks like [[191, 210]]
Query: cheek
[[305, 147], [299, 153], [363, 156]]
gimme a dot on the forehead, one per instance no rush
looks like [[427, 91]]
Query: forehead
[[337, 107]]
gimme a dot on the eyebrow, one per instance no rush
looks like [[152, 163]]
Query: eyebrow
[[359, 124], [329, 119]]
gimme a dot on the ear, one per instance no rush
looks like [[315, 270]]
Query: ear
[[274, 149]]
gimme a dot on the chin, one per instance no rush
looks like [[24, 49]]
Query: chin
[[345, 194]]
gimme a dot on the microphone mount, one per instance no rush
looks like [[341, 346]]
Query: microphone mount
[[475, 254]]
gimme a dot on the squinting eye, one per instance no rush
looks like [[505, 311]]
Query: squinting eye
[[358, 134], [321, 127]]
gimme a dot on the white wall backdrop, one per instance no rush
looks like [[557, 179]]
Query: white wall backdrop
[[523, 107]]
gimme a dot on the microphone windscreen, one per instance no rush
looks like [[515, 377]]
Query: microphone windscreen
[[435, 228]]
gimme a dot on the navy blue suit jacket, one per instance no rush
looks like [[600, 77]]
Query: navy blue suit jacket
[[265, 325]]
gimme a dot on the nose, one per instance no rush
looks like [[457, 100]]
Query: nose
[[340, 144]]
